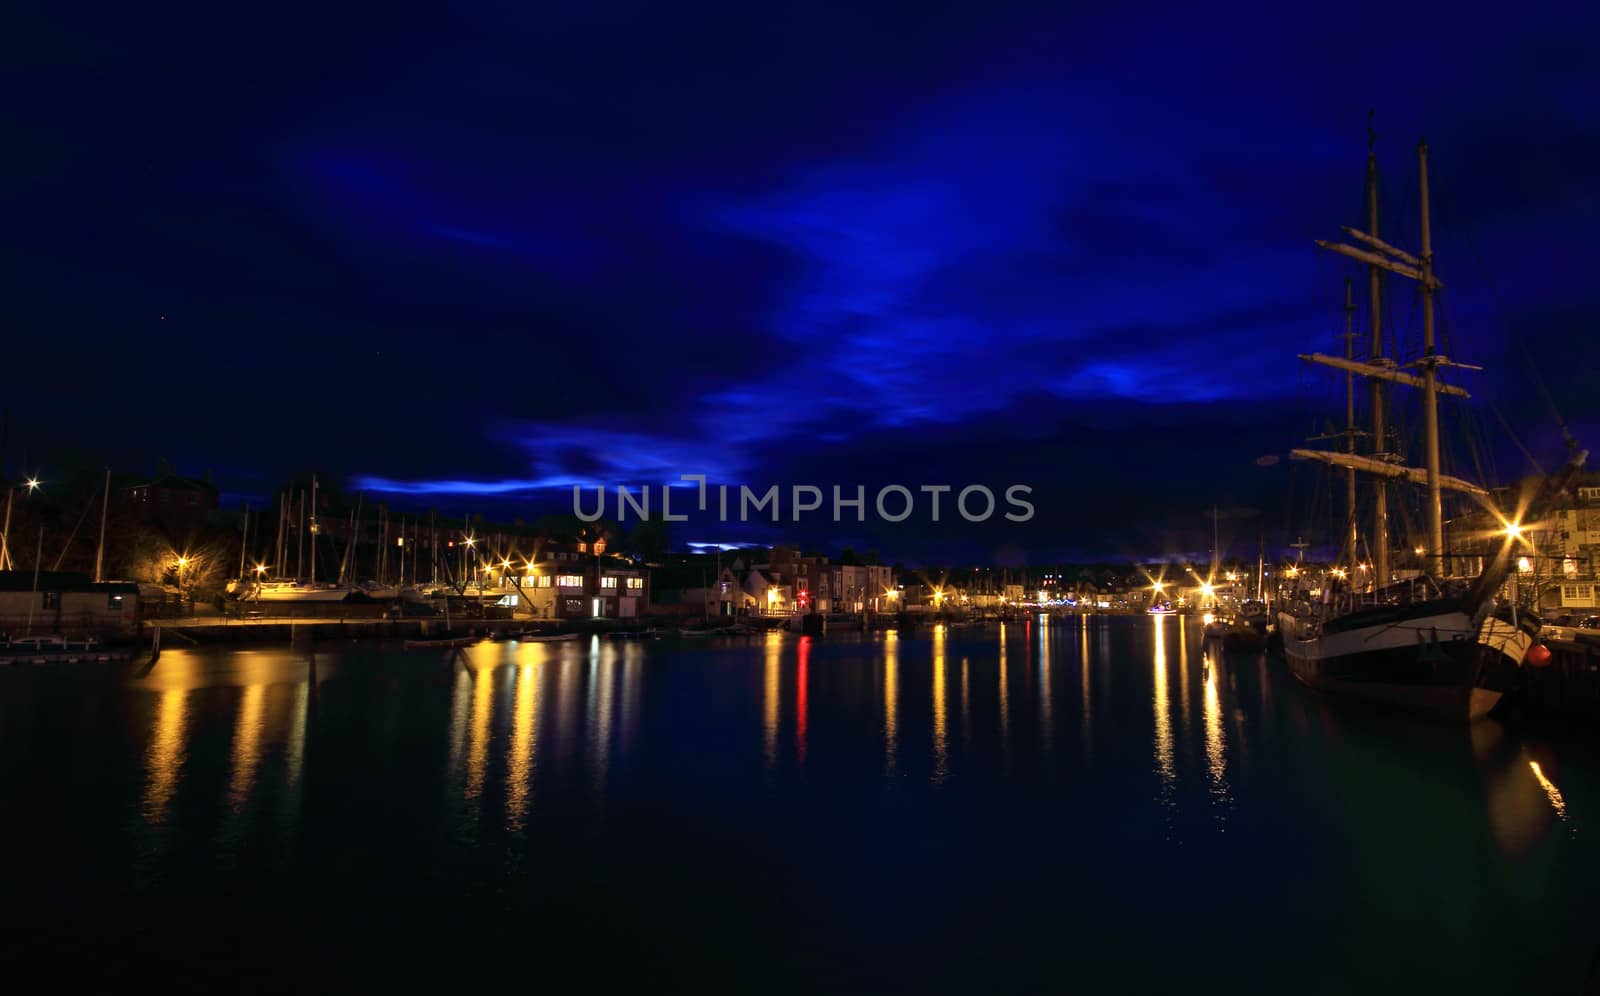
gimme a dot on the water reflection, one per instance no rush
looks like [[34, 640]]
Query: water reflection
[[1216, 751], [295, 753], [1005, 702], [769, 697], [1046, 702], [940, 745], [1086, 703], [164, 758], [603, 670], [225, 745], [891, 699], [1183, 677], [247, 734], [524, 744], [1163, 713], [966, 705], [482, 682], [1556, 802], [802, 690]]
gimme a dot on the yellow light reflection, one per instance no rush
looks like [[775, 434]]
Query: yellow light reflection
[[940, 733], [524, 743], [164, 758], [247, 732], [478, 732], [1556, 802], [770, 697], [1005, 704], [1216, 756], [1183, 679], [1083, 653], [1163, 709], [891, 699]]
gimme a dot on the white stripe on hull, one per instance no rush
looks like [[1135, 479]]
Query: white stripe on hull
[[1386, 636], [1308, 659]]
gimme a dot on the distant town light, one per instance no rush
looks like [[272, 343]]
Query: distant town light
[[1514, 530], [33, 484], [261, 568]]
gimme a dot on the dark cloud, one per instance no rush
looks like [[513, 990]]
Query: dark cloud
[[481, 253]]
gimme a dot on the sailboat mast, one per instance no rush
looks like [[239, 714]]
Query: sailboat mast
[[1380, 524], [1430, 384], [100, 548], [244, 544], [1351, 542], [313, 572]]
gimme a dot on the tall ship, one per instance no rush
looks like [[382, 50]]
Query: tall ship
[[1437, 642]]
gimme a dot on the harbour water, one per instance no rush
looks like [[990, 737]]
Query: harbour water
[[1101, 804]]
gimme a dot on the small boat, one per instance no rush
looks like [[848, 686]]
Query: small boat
[[704, 631], [549, 637], [459, 641], [1243, 640]]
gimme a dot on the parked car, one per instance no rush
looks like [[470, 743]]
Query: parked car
[[1569, 627]]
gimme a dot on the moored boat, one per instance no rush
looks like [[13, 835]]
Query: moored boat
[[1436, 644]]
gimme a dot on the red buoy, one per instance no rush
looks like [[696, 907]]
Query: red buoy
[[1538, 655]]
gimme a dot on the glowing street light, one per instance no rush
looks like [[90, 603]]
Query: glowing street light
[[33, 484]]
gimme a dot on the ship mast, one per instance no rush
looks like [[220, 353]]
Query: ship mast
[[1380, 520], [1382, 256], [1430, 384], [1351, 540]]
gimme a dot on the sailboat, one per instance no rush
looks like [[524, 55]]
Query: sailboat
[[299, 589], [1432, 643]]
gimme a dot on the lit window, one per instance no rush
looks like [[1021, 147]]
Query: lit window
[[635, 584], [544, 581], [570, 581], [608, 582]]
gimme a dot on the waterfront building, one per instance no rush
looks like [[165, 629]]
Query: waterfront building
[[64, 603]]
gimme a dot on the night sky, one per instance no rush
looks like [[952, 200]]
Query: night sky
[[469, 255]]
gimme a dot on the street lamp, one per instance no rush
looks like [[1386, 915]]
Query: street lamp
[[32, 485]]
